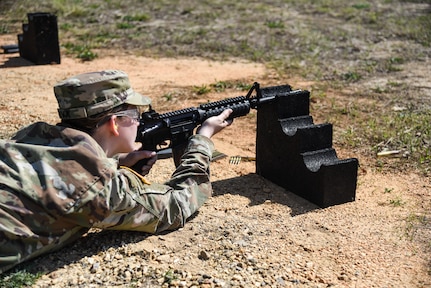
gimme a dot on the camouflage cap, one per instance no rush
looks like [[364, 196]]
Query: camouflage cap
[[88, 94]]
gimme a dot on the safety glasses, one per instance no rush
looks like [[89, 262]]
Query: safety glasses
[[131, 113]]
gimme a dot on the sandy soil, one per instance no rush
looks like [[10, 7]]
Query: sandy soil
[[366, 243]]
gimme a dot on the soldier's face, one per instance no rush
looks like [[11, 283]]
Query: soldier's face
[[127, 128]]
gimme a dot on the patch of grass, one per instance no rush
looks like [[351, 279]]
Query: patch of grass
[[168, 96], [351, 76], [125, 25], [101, 39], [220, 86], [393, 64], [274, 24], [169, 276], [388, 190], [65, 26], [201, 90], [416, 29], [407, 132], [396, 202], [18, 279], [361, 6], [243, 86], [410, 130], [82, 52], [137, 18]]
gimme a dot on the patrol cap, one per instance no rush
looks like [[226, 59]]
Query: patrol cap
[[88, 94]]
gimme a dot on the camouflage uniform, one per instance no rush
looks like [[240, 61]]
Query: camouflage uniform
[[57, 182]]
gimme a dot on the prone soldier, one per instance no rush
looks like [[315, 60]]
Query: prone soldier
[[58, 181]]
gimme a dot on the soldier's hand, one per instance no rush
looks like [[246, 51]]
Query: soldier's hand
[[215, 124], [130, 159]]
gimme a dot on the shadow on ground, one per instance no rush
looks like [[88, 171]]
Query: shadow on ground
[[16, 62], [259, 190]]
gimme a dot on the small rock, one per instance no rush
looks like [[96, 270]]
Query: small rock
[[95, 267], [164, 258], [203, 255]]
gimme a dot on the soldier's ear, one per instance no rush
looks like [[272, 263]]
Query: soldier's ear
[[113, 126]]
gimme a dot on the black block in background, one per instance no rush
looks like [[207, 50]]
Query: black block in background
[[39, 41], [296, 154]]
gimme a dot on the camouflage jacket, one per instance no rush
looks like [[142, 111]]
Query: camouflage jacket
[[56, 183]]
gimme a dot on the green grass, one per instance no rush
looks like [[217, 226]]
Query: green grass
[[405, 130], [396, 202], [201, 90], [221, 86], [18, 279], [82, 52]]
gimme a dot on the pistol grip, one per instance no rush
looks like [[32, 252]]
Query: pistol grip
[[138, 165]]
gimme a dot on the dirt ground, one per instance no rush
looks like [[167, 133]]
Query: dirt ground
[[252, 233]]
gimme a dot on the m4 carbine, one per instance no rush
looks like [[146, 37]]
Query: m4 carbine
[[167, 131]]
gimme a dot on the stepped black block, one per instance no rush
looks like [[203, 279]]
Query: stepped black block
[[39, 41], [297, 154]]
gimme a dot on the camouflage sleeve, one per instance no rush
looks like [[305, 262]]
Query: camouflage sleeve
[[157, 207]]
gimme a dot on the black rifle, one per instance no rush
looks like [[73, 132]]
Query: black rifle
[[161, 132]]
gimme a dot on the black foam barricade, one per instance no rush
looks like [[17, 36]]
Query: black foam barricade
[[39, 41], [296, 154]]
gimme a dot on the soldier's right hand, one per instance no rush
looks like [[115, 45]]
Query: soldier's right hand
[[130, 159]]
